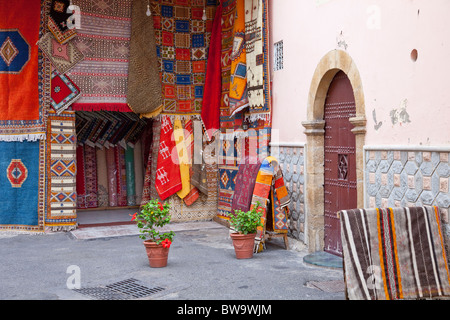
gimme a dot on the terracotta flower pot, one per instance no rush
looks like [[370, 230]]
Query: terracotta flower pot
[[243, 245], [157, 254]]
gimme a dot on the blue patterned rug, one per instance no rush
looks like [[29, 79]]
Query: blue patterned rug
[[21, 182]]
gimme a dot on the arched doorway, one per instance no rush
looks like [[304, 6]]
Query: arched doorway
[[331, 64], [339, 159]]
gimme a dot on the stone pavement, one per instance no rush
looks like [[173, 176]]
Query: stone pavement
[[101, 262]]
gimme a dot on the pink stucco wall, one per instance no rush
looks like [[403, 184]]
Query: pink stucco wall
[[380, 36]]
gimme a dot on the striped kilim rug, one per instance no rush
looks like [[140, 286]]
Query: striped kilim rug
[[61, 172], [394, 253]]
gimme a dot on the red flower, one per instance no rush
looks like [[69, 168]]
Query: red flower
[[166, 243], [160, 206], [133, 217]]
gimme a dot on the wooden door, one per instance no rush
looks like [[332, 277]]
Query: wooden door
[[340, 159]]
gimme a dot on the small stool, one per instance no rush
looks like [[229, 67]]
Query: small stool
[[269, 235]]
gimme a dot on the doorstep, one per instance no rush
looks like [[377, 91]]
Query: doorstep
[[324, 259]]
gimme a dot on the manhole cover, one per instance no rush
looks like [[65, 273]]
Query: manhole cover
[[327, 286], [122, 290]]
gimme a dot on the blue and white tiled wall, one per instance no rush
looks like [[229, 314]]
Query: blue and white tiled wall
[[408, 178], [292, 162]]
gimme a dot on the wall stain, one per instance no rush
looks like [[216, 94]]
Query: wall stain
[[400, 115]]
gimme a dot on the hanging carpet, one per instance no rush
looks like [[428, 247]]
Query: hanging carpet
[[245, 184], [104, 40], [182, 39], [213, 85], [24, 73], [61, 172], [22, 200], [168, 177], [144, 85], [394, 253], [57, 21], [64, 92], [238, 82], [102, 178]]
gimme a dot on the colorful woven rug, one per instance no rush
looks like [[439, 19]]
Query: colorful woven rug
[[149, 190], [80, 178], [24, 73], [255, 54], [245, 184], [183, 158], [138, 171], [183, 38], [194, 193], [121, 176], [90, 169], [144, 85], [228, 17], [213, 84], [168, 177], [22, 200], [238, 83], [104, 40], [61, 172], [112, 177], [130, 178], [102, 178], [64, 92], [57, 21], [261, 109], [270, 191], [394, 253], [62, 56]]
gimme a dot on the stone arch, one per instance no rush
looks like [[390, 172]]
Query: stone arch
[[328, 67]]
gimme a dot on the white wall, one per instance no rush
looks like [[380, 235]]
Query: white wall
[[380, 36]]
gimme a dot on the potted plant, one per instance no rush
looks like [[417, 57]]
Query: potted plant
[[245, 225], [155, 215]]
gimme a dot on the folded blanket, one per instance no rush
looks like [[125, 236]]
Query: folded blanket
[[394, 253]]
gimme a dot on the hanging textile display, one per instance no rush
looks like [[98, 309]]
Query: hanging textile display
[[144, 85], [112, 177], [62, 56], [104, 40], [168, 177], [81, 178], [193, 194], [238, 98], [24, 73], [130, 177], [182, 38], [270, 190], [255, 54], [23, 183], [183, 158], [102, 178], [90, 175], [57, 21], [213, 85], [105, 129], [228, 18], [245, 184], [149, 190], [63, 92], [121, 176], [138, 171], [61, 172]]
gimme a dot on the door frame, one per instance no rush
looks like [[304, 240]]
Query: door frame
[[328, 67]]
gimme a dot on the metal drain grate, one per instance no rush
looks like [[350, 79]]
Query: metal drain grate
[[122, 290]]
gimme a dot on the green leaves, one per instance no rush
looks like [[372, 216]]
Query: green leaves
[[247, 222], [154, 215]]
